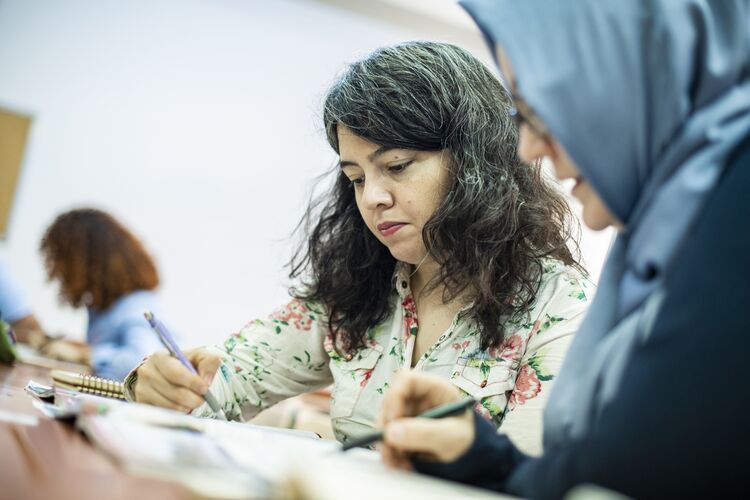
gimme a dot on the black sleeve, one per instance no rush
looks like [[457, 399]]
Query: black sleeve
[[679, 426], [487, 463]]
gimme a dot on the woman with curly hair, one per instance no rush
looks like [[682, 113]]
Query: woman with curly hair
[[435, 250], [101, 265]]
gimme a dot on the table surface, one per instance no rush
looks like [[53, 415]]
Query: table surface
[[53, 460]]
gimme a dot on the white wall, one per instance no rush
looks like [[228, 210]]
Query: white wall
[[194, 121]]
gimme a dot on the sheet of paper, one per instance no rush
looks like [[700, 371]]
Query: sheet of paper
[[267, 451], [18, 418], [188, 457], [134, 441], [337, 476], [199, 452]]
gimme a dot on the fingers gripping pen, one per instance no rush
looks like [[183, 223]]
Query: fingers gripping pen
[[169, 342]]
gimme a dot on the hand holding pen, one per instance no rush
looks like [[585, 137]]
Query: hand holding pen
[[451, 409], [171, 380], [406, 433]]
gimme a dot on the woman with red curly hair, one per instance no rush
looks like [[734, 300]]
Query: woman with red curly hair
[[104, 267]]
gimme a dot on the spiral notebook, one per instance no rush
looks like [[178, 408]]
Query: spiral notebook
[[88, 384]]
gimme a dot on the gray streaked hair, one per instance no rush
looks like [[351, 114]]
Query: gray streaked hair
[[496, 223]]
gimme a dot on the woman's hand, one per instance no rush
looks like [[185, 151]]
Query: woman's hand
[[443, 439], [67, 350], [29, 331], [163, 381]]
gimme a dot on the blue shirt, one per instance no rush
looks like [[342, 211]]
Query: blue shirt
[[120, 337], [13, 304]]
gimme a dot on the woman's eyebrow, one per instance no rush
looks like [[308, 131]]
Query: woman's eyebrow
[[372, 157], [378, 152]]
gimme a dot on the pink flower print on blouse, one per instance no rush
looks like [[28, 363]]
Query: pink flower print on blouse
[[295, 313], [527, 386], [304, 323], [510, 348], [458, 346], [366, 377], [411, 324]]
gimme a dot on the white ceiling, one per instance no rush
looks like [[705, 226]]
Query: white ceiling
[[447, 11], [446, 14]]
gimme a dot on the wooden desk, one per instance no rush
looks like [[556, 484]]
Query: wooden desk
[[53, 461]]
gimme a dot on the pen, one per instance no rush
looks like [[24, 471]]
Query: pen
[[168, 341], [446, 410]]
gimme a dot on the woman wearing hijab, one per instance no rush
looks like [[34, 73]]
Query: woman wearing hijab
[[646, 105]]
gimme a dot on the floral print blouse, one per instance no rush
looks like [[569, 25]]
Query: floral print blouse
[[292, 352]]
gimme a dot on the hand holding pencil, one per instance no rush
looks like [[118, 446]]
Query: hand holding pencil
[[405, 433]]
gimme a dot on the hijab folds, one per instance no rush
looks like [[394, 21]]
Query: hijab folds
[[649, 98]]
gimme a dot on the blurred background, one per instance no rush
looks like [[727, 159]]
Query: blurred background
[[197, 124]]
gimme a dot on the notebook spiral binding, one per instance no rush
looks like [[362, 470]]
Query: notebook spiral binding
[[89, 384], [101, 386]]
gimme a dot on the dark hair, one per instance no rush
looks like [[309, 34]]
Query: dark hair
[[96, 259], [497, 222]]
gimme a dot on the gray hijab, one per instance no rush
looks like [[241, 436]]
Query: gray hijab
[[649, 98]]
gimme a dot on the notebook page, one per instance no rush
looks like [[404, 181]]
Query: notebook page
[[187, 457]]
